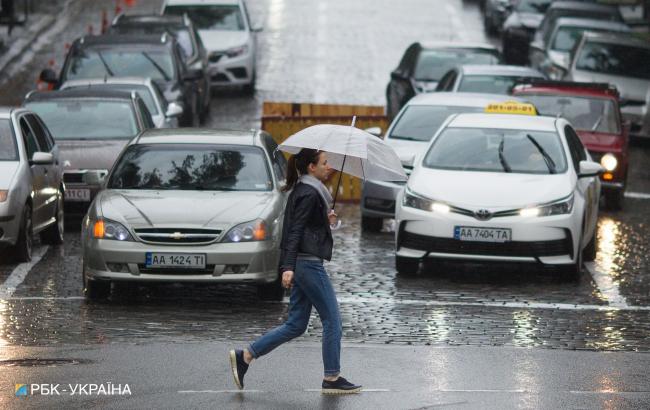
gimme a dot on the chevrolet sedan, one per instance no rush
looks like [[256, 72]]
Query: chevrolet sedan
[[188, 205]]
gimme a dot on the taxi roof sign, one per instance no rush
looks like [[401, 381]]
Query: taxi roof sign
[[511, 107]]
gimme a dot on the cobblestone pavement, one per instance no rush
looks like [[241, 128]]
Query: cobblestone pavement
[[343, 53]]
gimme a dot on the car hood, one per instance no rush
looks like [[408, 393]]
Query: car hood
[[601, 142], [7, 172], [222, 40], [406, 150], [474, 190], [183, 208], [629, 88], [89, 154]]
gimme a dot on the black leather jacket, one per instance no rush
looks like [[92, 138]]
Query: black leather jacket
[[306, 228]]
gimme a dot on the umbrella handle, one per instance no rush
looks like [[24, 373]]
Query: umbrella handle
[[338, 184]]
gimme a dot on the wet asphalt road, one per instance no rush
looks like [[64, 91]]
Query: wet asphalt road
[[342, 53]]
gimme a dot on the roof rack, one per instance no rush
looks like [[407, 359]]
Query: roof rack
[[609, 88]]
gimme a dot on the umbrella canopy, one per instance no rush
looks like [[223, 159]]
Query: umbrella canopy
[[350, 150]]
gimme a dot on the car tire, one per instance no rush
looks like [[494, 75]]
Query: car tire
[[371, 224], [589, 252], [53, 235], [614, 200], [95, 289], [406, 266], [205, 111], [25, 243], [271, 291], [430, 266], [571, 272]]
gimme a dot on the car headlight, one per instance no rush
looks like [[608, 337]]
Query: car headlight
[[3, 195], [563, 206], [609, 162], [107, 229], [237, 51], [248, 232], [412, 200]]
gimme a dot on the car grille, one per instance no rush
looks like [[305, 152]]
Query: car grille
[[209, 270], [513, 248], [177, 236], [73, 177]]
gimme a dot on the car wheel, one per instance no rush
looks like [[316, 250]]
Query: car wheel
[[431, 266], [614, 200], [95, 289], [25, 242], [371, 224], [271, 291], [53, 235], [203, 115], [589, 252], [407, 266], [571, 272]]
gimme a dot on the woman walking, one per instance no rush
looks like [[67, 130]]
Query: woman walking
[[306, 241]]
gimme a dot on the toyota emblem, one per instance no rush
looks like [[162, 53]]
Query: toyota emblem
[[483, 214]]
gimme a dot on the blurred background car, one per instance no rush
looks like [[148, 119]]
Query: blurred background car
[[31, 183], [551, 54], [163, 114], [409, 134], [158, 57], [593, 110], [423, 64], [498, 79], [181, 27], [188, 205], [226, 31], [90, 127], [519, 27], [621, 60]]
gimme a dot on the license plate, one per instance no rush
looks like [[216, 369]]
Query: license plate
[[175, 260], [470, 233], [77, 195]]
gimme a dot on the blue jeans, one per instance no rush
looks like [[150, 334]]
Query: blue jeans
[[311, 287]]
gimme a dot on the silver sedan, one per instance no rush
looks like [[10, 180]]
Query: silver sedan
[[31, 183], [188, 205]]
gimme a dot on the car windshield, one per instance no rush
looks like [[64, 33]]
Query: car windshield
[[8, 151], [86, 118], [567, 36], [590, 114], [532, 6], [420, 122], [142, 90], [615, 59], [491, 84], [433, 64], [497, 150], [211, 17], [192, 167], [155, 64]]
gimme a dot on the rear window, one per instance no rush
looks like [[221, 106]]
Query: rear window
[[433, 64], [491, 84], [567, 36], [420, 122], [143, 92], [192, 167], [87, 119], [615, 59], [211, 17], [8, 149]]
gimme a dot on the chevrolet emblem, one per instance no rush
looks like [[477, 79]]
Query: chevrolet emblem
[[177, 236]]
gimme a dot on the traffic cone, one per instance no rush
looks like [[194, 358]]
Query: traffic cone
[[104, 21], [129, 3], [118, 8]]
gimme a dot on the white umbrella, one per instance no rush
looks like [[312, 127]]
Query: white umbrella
[[350, 150]]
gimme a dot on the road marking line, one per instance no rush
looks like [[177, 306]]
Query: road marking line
[[481, 391], [607, 287], [360, 300], [20, 272], [219, 391], [637, 195]]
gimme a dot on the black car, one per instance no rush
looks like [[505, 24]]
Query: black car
[[519, 28], [423, 65], [158, 57], [181, 27]]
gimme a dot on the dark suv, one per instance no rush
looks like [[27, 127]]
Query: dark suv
[[181, 27], [158, 57]]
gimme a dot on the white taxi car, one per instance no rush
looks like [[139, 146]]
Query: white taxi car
[[496, 187]]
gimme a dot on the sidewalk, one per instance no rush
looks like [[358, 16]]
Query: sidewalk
[[197, 375]]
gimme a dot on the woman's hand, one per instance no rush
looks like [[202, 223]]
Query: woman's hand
[[287, 279], [332, 216]]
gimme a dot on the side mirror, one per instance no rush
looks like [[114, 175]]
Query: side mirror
[[193, 75], [49, 76], [396, 75], [174, 110], [376, 131], [42, 158], [590, 169]]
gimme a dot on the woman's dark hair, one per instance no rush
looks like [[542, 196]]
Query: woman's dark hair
[[298, 164]]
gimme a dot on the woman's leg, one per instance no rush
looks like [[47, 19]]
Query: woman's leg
[[317, 286], [296, 324]]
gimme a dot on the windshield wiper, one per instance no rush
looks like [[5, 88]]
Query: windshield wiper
[[402, 137], [156, 65], [547, 158], [106, 67], [502, 158]]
